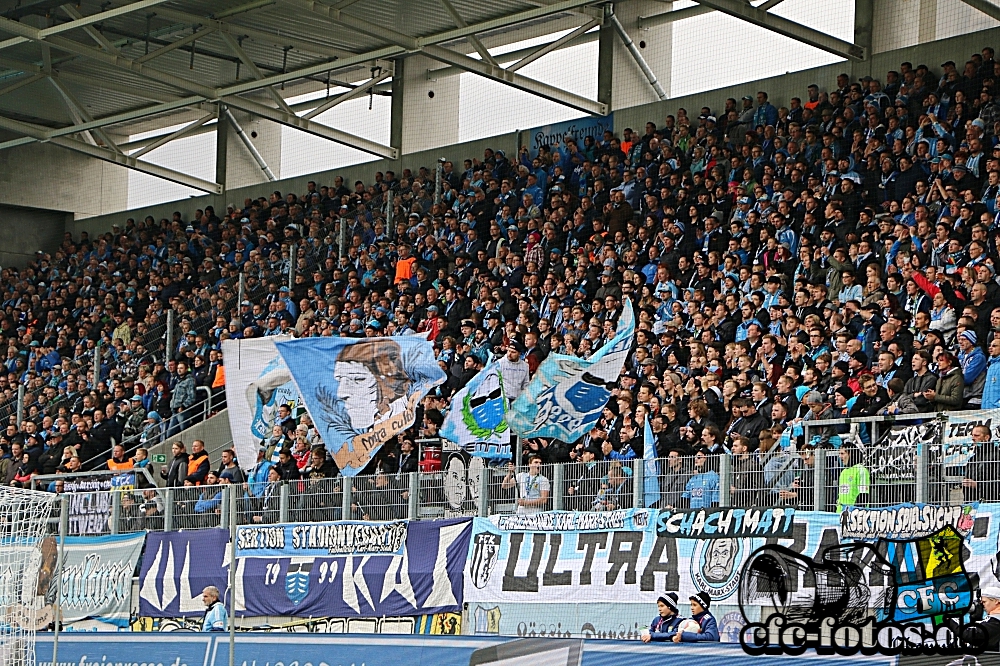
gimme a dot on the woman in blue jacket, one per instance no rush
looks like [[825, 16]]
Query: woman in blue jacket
[[664, 626], [700, 614]]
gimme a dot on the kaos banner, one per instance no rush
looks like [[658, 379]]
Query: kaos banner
[[555, 135], [565, 397], [424, 578], [257, 384], [177, 566], [361, 393]]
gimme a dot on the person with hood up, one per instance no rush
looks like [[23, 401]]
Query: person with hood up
[[664, 625]]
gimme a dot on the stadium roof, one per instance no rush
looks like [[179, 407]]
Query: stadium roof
[[89, 75]]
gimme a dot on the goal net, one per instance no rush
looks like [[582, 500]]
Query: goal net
[[24, 517]]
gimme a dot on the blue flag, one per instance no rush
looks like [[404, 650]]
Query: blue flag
[[477, 420], [565, 397], [361, 393], [651, 467]]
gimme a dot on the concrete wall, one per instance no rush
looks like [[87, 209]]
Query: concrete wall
[[780, 89], [48, 177], [214, 432], [24, 231]]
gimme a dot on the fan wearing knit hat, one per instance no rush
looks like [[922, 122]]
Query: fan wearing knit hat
[[666, 624], [708, 628]]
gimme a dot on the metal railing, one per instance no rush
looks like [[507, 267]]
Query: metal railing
[[157, 433], [793, 475]]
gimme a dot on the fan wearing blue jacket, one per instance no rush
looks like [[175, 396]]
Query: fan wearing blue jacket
[[699, 613], [664, 626]]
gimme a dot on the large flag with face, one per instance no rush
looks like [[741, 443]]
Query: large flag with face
[[361, 393], [477, 420], [565, 397]]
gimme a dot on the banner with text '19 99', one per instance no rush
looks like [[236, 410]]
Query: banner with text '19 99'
[[352, 569]]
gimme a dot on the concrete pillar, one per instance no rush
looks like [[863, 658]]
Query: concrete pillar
[[237, 167], [896, 25], [396, 117], [606, 63], [864, 20], [629, 86], [426, 113], [221, 149], [928, 21]]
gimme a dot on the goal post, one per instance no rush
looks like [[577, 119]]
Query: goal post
[[24, 524]]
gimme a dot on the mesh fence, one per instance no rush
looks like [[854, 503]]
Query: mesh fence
[[808, 480]]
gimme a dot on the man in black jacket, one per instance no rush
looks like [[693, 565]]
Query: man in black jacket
[[750, 423], [286, 466], [176, 471], [872, 400], [103, 436]]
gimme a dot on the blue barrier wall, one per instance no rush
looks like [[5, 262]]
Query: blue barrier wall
[[192, 649]]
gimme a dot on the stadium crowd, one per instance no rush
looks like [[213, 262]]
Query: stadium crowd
[[834, 256]]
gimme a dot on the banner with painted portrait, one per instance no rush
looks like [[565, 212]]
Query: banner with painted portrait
[[257, 385], [565, 397], [361, 393]]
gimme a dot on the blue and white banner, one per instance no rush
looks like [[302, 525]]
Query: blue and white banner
[[361, 393], [477, 420], [722, 523], [321, 539], [279, 649], [257, 384], [96, 581], [554, 136], [625, 563], [651, 467], [565, 397], [177, 566], [425, 578]]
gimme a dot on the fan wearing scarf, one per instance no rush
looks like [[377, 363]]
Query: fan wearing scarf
[[664, 627]]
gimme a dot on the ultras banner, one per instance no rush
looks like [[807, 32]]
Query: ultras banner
[[361, 393], [630, 559], [257, 384]]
